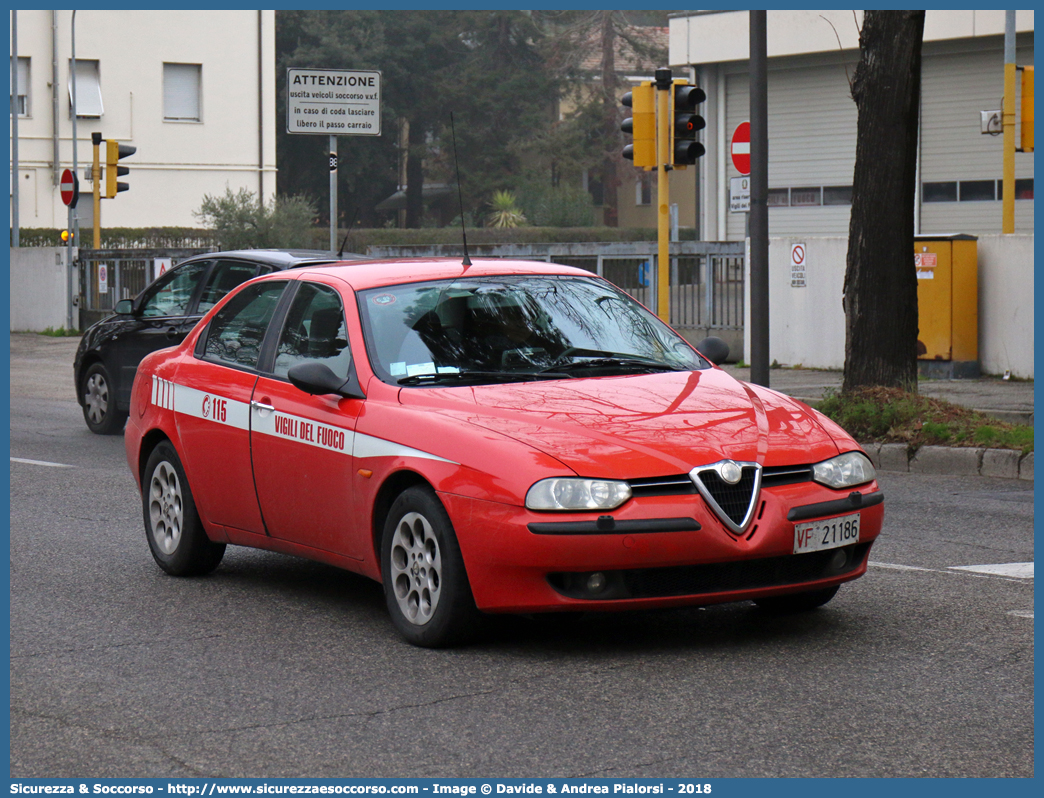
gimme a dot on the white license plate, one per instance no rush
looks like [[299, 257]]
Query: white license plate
[[831, 533]]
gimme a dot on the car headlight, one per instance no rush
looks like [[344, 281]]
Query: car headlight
[[844, 471], [573, 493]]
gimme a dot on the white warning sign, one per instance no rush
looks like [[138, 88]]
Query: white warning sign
[[797, 266], [333, 102]]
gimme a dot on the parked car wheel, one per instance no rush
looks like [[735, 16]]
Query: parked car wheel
[[99, 402], [797, 602], [175, 533], [425, 583]]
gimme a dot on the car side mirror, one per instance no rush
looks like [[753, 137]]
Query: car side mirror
[[125, 307], [318, 379], [714, 349]]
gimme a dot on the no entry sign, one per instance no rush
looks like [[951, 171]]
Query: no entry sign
[[741, 148], [70, 188]]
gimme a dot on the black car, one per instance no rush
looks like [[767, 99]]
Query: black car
[[161, 316]]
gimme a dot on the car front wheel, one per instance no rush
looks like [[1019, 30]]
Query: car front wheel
[[797, 602], [425, 584], [99, 402], [178, 542]]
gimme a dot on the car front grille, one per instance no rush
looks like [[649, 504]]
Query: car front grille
[[734, 500], [681, 484], [707, 579]]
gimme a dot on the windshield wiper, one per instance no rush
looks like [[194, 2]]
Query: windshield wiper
[[474, 376], [596, 363]]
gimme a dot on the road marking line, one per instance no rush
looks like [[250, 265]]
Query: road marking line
[[961, 570], [1020, 570], [40, 463], [1022, 614], [899, 567]]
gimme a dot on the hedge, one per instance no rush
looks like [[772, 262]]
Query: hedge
[[360, 239]]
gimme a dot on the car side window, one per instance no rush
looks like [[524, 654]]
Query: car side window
[[237, 331], [171, 293], [314, 330], [225, 276]]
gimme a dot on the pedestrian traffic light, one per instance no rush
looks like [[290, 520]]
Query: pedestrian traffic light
[[641, 125], [113, 152], [683, 147]]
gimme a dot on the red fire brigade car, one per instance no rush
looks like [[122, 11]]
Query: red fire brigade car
[[497, 437]]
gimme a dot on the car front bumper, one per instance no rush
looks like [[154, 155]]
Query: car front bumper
[[655, 552]]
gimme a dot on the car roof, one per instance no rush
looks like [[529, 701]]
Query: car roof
[[283, 258], [395, 271]]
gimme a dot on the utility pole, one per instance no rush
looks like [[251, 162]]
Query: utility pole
[[74, 215], [1008, 125], [333, 193], [759, 244], [15, 225]]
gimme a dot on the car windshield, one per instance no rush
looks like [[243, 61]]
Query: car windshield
[[511, 329]]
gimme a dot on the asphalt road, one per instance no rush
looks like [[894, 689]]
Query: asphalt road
[[274, 666]]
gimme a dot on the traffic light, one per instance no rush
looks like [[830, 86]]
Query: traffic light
[[641, 125], [683, 147], [113, 152]]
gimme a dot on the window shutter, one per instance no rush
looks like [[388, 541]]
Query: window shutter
[[181, 91], [88, 89]]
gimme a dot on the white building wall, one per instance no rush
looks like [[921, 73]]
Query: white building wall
[[710, 37], [39, 289], [807, 324], [1006, 304], [176, 163]]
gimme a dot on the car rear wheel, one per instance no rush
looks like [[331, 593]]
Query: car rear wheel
[[425, 584], [175, 533], [797, 602], [99, 402]]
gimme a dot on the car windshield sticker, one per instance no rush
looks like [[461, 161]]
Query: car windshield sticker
[[222, 410]]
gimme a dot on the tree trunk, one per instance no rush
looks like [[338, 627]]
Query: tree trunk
[[415, 151], [611, 117], [880, 294]]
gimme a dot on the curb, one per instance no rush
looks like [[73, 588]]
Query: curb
[[951, 461]]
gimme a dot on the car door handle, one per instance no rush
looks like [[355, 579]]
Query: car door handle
[[172, 332], [260, 407]]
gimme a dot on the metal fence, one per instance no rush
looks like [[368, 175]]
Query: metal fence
[[109, 275], [706, 277]]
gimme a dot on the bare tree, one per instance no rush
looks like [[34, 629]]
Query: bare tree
[[880, 294], [591, 48]]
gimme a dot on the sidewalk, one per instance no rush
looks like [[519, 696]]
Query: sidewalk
[[1005, 400]]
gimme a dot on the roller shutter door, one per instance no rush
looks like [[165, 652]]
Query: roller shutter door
[[812, 133]]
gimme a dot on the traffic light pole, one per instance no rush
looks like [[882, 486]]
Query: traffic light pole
[[663, 199], [1008, 127], [664, 128], [96, 140]]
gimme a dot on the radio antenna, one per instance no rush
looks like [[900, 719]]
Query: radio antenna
[[460, 198], [351, 224]]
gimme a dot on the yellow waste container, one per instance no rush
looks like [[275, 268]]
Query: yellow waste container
[[948, 306]]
